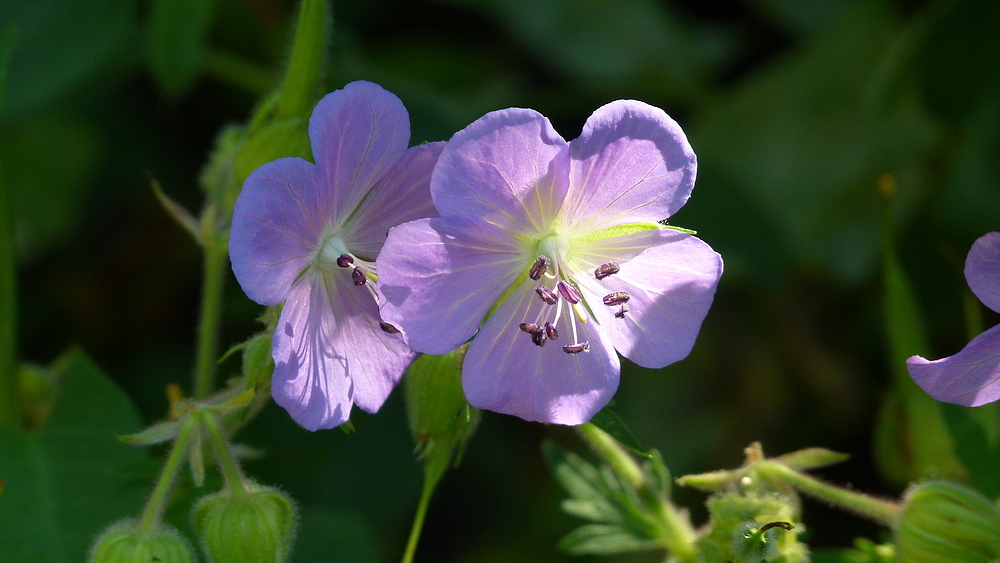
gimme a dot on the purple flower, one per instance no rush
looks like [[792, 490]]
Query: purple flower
[[307, 235], [556, 246], [972, 376]]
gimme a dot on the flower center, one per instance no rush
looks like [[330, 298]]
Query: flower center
[[333, 255], [552, 267]]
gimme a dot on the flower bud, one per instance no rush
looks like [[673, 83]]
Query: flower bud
[[122, 543], [257, 526], [753, 526], [944, 522]]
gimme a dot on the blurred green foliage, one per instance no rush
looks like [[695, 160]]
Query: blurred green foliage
[[795, 109]]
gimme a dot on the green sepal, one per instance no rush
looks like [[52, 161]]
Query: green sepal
[[155, 434], [609, 421], [175, 210], [812, 458], [255, 527]]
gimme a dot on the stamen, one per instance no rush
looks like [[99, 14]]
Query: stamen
[[538, 338], [530, 328], [540, 266], [345, 260], [388, 327], [577, 348], [616, 298], [605, 270], [547, 295], [569, 292], [620, 313], [359, 277], [551, 332]]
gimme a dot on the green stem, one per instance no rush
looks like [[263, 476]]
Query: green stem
[[882, 511], [213, 283], [418, 520], [300, 85], [232, 473], [9, 404], [157, 501], [677, 534]]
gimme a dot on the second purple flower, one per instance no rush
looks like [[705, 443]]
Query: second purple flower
[[550, 254]]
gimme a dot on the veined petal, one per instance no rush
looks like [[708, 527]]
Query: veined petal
[[670, 289], [277, 224], [504, 372], [439, 277], [982, 270], [509, 167], [357, 134], [402, 195], [970, 377], [310, 377], [631, 163], [376, 360]]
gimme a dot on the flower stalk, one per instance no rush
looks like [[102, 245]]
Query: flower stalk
[[232, 473], [216, 259], [882, 511], [676, 532], [153, 511]]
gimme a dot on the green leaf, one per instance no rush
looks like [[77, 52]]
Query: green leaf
[[976, 449], [602, 539], [609, 421], [812, 458], [322, 533], [175, 42], [159, 432], [71, 478]]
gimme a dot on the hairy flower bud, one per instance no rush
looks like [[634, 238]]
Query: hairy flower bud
[[753, 526], [123, 543], [944, 522], [255, 527]]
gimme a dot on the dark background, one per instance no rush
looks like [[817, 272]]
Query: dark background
[[795, 108]]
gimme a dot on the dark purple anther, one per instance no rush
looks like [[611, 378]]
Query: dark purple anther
[[577, 348], [538, 338], [569, 292], [540, 266], [547, 295], [345, 260], [620, 313], [531, 328], [605, 270], [551, 331], [616, 298], [359, 276], [388, 327]]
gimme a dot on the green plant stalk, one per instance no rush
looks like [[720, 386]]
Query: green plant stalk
[[157, 501], [882, 511], [677, 534], [9, 403], [301, 81], [418, 519], [210, 318], [232, 473]]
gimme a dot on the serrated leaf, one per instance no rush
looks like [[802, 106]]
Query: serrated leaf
[[600, 539], [159, 432], [812, 458], [609, 421], [71, 478]]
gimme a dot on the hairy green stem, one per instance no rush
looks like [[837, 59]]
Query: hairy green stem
[[157, 501], [232, 473], [213, 283], [300, 85], [676, 532], [9, 403], [881, 511], [418, 519]]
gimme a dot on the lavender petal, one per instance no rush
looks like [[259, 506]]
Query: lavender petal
[[970, 377], [982, 270], [631, 163]]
